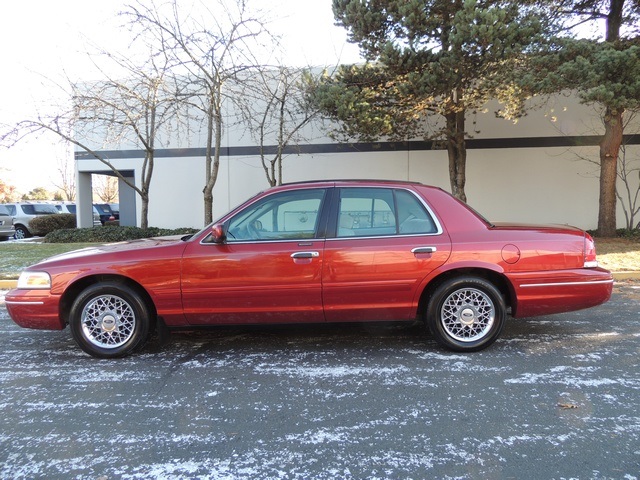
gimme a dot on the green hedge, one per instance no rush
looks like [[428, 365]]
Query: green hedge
[[48, 223], [110, 234], [621, 233]]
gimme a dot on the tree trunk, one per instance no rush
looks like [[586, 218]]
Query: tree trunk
[[209, 164], [614, 20], [144, 214], [457, 150], [609, 150], [212, 157], [611, 141]]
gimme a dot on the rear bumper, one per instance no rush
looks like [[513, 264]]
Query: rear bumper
[[34, 309], [544, 293]]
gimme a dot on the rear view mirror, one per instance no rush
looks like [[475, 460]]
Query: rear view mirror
[[218, 233]]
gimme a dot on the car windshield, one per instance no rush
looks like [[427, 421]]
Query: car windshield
[[39, 209]]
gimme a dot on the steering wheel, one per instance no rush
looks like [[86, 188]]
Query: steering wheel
[[253, 230]]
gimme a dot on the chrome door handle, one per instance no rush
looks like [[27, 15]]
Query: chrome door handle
[[305, 255], [424, 250]]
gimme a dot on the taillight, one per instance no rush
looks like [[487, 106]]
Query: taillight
[[589, 252]]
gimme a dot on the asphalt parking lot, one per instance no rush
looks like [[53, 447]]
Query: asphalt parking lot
[[556, 397]]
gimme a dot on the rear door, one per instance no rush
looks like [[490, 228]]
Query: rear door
[[268, 271], [385, 242]]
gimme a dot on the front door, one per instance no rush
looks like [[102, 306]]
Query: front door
[[269, 269]]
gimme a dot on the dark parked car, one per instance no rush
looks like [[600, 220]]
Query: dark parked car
[[115, 208], [330, 251], [105, 212], [68, 207]]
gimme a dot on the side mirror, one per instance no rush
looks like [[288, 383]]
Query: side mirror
[[218, 233]]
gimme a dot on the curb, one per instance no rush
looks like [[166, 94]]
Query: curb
[[617, 276]]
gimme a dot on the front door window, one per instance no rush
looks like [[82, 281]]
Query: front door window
[[287, 216]]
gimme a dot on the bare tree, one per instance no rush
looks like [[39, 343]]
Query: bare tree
[[62, 124], [106, 188], [629, 175], [212, 45], [137, 107], [66, 181], [135, 110], [275, 112], [106, 110]]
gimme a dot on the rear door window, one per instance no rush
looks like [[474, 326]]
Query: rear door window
[[372, 212]]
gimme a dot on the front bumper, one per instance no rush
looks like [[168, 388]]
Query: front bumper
[[37, 309]]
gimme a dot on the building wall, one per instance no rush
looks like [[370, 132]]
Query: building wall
[[527, 171]]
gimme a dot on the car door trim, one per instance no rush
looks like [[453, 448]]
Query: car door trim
[[564, 284]]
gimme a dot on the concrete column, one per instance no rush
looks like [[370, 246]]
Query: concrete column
[[127, 198], [84, 200]]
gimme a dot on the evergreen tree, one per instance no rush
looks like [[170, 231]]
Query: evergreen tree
[[427, 57]]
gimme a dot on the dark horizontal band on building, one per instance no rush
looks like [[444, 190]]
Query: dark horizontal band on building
[[364, 147]]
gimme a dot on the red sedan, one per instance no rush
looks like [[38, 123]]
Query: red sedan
[[331, 251]]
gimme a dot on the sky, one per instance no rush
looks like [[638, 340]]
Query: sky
[[44, 40]]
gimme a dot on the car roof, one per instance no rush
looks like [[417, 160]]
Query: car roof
[[354, 182]]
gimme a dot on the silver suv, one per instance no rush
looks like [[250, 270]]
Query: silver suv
[[6, 224], [24, 212]]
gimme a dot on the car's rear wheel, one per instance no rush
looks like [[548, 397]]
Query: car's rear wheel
[[109, 320], [466, 314]]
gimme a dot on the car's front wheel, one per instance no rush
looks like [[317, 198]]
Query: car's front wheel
[[109, 320], [21, 232], [466, 314]]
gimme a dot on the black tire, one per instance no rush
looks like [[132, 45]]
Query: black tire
[[21, 232], [466, 314], [110, 320]]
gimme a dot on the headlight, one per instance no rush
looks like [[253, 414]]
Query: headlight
[[34, 280]]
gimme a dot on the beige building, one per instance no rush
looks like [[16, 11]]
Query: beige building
[[542, 169]]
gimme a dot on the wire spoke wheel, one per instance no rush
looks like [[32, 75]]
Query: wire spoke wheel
[[467, 315], [108, 321]]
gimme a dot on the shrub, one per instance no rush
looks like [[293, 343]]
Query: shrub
[[621, 233], [110, 234], [48, 223]]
